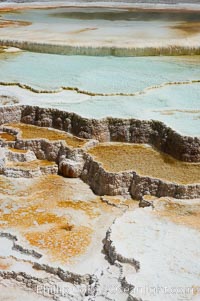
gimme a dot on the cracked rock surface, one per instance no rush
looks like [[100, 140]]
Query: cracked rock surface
[[71, 229], [51, 233], [158, 250]]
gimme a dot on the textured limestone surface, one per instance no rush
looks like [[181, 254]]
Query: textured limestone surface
[[152, 132], [14, 163], [58, 240], [70, 227], [99, 209], [51, 233], [109, 168], [156, 248]]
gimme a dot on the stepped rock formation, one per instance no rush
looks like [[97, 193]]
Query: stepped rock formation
[[96, 209], [60, 240], [75, 161]]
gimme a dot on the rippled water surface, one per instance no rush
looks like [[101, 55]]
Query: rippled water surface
[[163, 88], [97, 74]]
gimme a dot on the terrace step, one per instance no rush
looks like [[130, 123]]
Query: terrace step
[[29, 169], [15, 164]]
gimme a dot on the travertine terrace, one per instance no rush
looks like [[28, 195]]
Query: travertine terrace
[[93, 31], [99, 155], [174, 164], [60, 236]]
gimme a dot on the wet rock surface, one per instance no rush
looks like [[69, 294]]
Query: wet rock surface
[[59, 240]]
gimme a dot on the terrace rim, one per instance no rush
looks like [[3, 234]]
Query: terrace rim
[[155, 133], [65, 49]]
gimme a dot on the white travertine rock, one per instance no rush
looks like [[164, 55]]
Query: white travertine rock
[[20, 156], [2, 159], [167, 252], [71, 168]]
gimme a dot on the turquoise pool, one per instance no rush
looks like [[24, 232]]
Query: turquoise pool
[[97, 74], [162, 88]]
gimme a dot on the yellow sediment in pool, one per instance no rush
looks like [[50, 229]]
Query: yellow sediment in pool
[[49, 215], [7, 137], [36, 132], [28, 216], [88, 207], [49, 232], [117, 157], [16, 150], [30, 164], [61, 244]]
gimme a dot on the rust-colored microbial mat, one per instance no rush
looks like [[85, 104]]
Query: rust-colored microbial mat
[[35, 132], [7, 136], [145, 161], [54, 215]]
